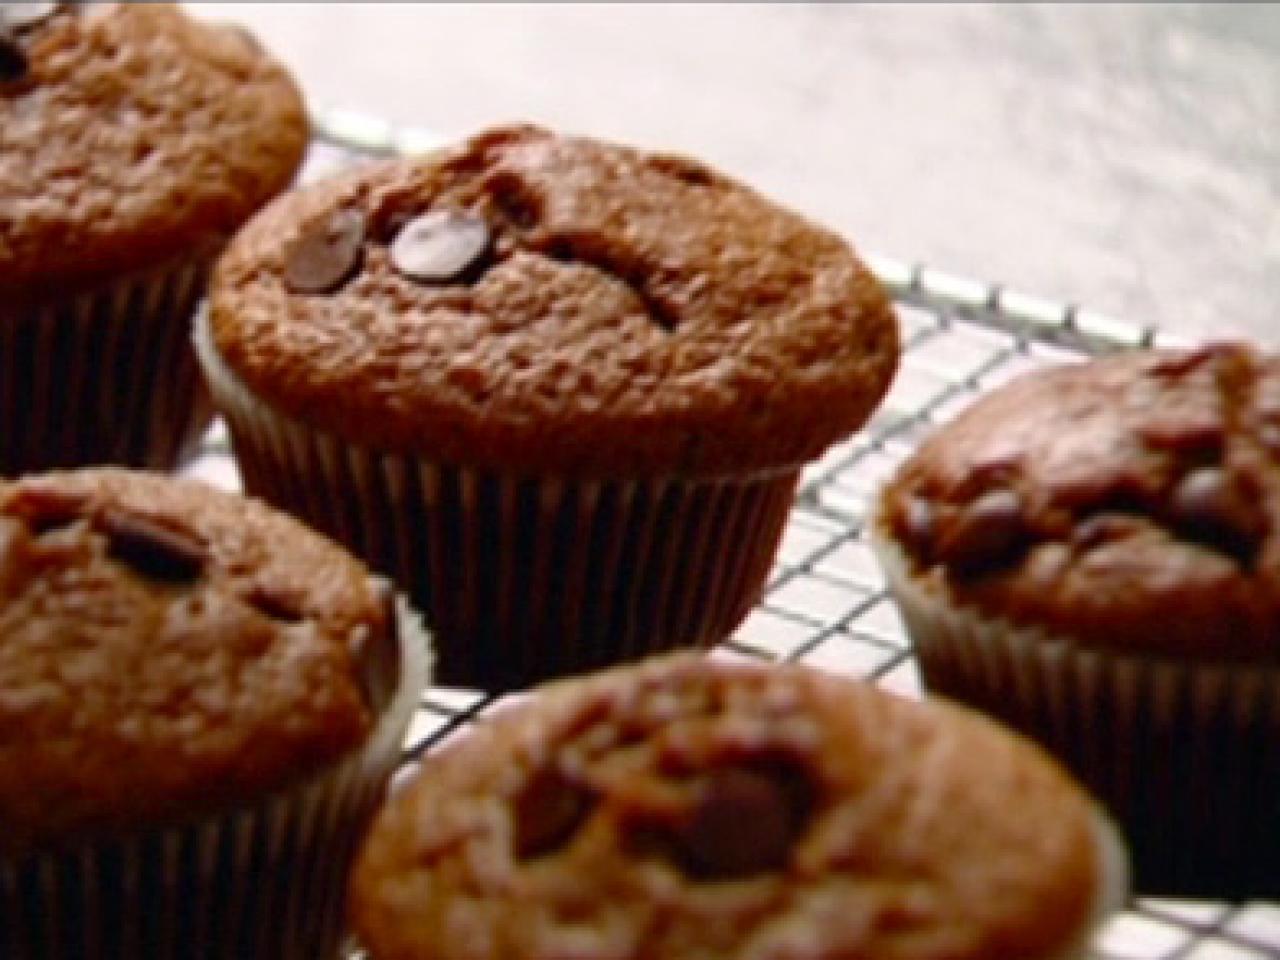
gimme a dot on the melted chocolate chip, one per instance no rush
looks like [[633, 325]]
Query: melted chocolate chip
[[989, 533], [324, 257], [744, 824], [548, 813], [274, 604], [155, 551], [22, 15], [1211, 508], [13, 60], [440, 246]]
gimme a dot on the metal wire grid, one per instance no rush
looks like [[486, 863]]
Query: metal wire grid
[[825, 604]]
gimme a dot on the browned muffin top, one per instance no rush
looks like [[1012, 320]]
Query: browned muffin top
[[556, 303], [130, 134], [1130, 502], [166, 650], [689, 809]]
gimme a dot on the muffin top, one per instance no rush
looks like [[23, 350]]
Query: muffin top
[[552, 303], [167, 650], [687, 808], [1131, 502], [130, 133]]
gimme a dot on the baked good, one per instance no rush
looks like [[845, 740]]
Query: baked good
[[686, 807], [200, 703], [1091, 554], [133, 142], [561, 389]]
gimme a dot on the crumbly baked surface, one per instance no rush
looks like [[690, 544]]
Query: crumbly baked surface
[[167, 650], [136, 135], [589, 308], [686, 808], [1130, 502]]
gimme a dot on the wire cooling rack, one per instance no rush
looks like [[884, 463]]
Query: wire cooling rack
[[825, 604]]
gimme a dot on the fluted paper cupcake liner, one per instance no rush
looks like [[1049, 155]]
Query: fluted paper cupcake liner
[[522, 578], [266, 880], [105, 376], [1185, 754]]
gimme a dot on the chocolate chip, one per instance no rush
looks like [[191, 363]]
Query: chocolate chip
[[916, 524], [685, 169], [1103, 528], [154, 550], [548, 813], [324, 257], [1211, 508], [46, 510], [744, 824], [23, 15], [988, 533], [13, 61], [440, 246], [274, 604]]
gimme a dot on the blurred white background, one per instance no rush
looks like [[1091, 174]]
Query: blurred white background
[[1126, 158]]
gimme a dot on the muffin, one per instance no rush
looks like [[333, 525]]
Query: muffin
[[561, 389], [200, 704], [689, 808], [133, 142], [1091, 554]]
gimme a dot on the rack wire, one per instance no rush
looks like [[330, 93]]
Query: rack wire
[[825, 604]]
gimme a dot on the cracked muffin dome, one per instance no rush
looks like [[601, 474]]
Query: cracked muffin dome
[[554, 303], [168, 651], [1129, 503], [687, 808], [130, 133]]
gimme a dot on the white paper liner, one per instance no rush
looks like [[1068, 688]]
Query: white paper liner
[[1184, 754], [263, 881], [105, 376], [522, 578]]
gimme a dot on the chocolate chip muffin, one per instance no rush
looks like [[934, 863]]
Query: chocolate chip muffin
[[562, 389], [690, 808], [200, 703], [1091, 554], [133, 142]]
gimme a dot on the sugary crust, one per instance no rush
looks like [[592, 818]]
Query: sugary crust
[[927, 832], [1147, 504], [637, 313], [142, 683], [139, 134]]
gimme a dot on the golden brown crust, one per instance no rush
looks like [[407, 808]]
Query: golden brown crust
[[635, 313], [1131, 503], [137, 135], [579, 825], [167, 650]]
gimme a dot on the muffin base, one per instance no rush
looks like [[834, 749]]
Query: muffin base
[[267, 880], [104, 376], [1183, 754], [522, 578]]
